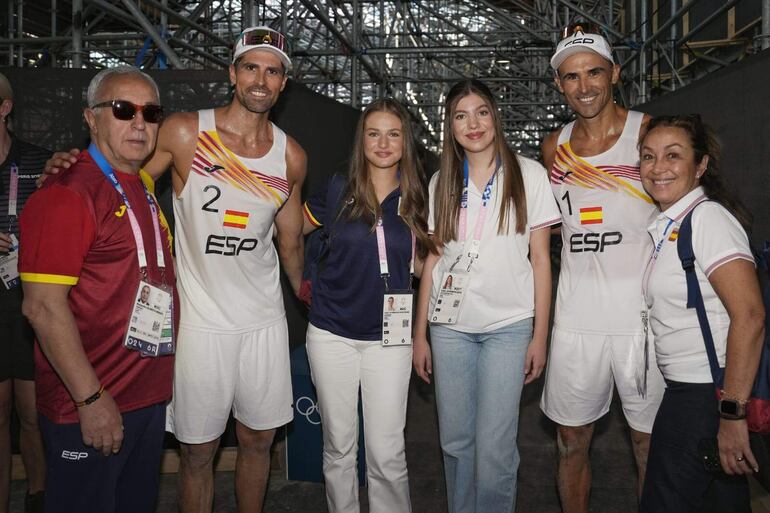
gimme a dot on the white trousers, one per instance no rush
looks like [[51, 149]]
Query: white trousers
[[339, 366]]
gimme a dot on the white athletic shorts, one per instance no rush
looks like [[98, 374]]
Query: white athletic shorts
[[214, 373], [580, 374]]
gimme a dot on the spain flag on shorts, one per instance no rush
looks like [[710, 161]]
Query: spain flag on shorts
[[236, 219], [591, 215]]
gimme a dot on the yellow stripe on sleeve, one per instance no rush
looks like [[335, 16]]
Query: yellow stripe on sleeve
[[147, 180], [56, 279], [310, 216]]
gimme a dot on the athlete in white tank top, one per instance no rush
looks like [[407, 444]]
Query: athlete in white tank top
[[605, 214], [228, 275]]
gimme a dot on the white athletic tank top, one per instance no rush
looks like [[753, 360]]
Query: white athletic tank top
[[605, 215], [227, 265]]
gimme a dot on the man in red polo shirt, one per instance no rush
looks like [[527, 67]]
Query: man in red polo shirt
[[92, 240]]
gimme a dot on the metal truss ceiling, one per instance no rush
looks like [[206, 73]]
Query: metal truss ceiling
[[358, 50]]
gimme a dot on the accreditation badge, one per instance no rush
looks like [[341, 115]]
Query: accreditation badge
[[397, 319], [450, 298], [9, 265], [150, 327]]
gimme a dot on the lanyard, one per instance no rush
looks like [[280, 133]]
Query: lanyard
[[137, 232], [382, 249], [654, 257], [13, 194], [473, 252]]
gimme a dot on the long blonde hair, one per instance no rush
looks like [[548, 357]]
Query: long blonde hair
[[361, 197], [450, 181]]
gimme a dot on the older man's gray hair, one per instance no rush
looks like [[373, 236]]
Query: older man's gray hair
[[124, 70]]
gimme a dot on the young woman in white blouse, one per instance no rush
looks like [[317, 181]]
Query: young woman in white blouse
[[489, 214]]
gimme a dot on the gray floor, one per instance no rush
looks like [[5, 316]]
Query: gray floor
[[613, 469]]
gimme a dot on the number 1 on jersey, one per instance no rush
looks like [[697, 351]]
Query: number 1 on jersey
[[569, 203]]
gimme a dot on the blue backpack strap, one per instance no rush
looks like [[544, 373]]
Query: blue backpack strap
[[694, 296]]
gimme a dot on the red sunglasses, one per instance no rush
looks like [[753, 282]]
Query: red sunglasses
[[125, 110]]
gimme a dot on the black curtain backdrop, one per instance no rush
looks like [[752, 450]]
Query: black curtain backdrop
[[736, 103]]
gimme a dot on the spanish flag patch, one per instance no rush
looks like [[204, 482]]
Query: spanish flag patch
[[674, 235], [236, 219], [591, 215]]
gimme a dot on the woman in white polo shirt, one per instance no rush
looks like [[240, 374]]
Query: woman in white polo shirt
[[489, 214], [679, 165]]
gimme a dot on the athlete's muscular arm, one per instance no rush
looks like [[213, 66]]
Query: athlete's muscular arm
[[643, 128], [175, 148], [46, 307], [290, 220], [549, 149]]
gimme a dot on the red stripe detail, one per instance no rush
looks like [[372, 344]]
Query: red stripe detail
[[729, 258], [234, 225], [590, 209], [200, 156], [236, 213], [591, 221], [309, 217], [545, 224]]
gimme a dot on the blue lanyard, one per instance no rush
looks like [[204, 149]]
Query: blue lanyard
[[473, 250], [487, 190], [659, 245], [109, 173]]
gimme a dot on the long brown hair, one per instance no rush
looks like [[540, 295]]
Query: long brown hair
[[704, 143], [361, 197], [450, 181]]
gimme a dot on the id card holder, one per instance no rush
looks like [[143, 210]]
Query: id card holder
[[9, 265], [167, 339], [150, 319], [397, 310], [450, 298]]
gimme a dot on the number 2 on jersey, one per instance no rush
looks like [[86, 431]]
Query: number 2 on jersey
[[217, 193]]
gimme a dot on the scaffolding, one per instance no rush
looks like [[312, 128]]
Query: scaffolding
[[358, 50]]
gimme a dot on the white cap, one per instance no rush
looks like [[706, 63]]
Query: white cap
[[581, 42], [262, 38]]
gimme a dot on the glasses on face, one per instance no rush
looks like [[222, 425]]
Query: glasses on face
[[125, 110], [263, 36], [585, 28]]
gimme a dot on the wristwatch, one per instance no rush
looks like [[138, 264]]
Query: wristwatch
[[731, 409]]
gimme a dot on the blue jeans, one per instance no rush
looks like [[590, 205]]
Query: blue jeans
[[479, 377]]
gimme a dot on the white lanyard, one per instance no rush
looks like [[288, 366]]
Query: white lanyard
[[383, 254], [137, 232], [382, 249], [473, 251], [654, 258], [13, 194]]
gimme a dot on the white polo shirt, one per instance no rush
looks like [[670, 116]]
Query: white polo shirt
[[502, 287], [717, 238]]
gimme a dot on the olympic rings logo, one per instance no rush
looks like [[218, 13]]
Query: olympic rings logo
[[306, 407]]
